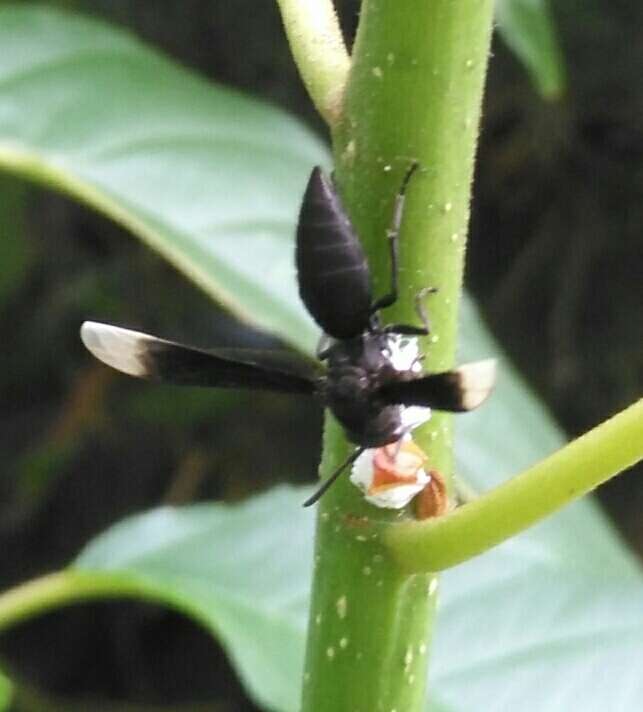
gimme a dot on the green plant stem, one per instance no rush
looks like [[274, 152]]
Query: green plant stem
[[61, 588], [369, 624], [414, 93], [569, 473], [319, 51]]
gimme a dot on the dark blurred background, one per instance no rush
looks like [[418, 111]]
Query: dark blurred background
[[555, 262]]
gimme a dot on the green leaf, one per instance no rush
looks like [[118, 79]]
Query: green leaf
[[527, 28], [531, 627], [243, 571], [5, 693], [209, 178]]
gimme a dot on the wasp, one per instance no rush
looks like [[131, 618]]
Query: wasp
[[368, 374]]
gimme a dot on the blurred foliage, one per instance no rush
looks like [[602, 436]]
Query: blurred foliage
[[15, 257], [555, 261], [528, 30], [5, 691]]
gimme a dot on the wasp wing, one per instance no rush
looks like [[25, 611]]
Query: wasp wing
[[146, 356], [333, 275], [462, 389]]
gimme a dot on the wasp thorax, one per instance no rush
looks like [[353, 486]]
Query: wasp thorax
[[357, 369]]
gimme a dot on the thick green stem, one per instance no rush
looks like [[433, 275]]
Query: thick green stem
[[318, 48], [524, 500], [369, 623], [414, 93]]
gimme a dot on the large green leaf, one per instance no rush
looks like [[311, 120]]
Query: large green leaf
[[528, 29], [528, 626], [538, 624], [241, 570], [209, 178], [532, 627]]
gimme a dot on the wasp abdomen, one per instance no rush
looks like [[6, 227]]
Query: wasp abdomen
[[331, 265]]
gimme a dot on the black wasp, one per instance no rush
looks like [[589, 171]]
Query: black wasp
[[372, 380]]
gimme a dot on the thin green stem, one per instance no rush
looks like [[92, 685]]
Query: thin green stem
[[61, 588], [413, 93], [319, 51], [569, 473]]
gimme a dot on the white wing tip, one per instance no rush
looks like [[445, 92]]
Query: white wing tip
[[122, 349], [477, 381]]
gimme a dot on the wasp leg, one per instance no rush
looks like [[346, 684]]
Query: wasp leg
[[420, 308], [393, 235]]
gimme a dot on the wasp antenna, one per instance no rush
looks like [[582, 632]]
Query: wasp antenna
[[327, 483]]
